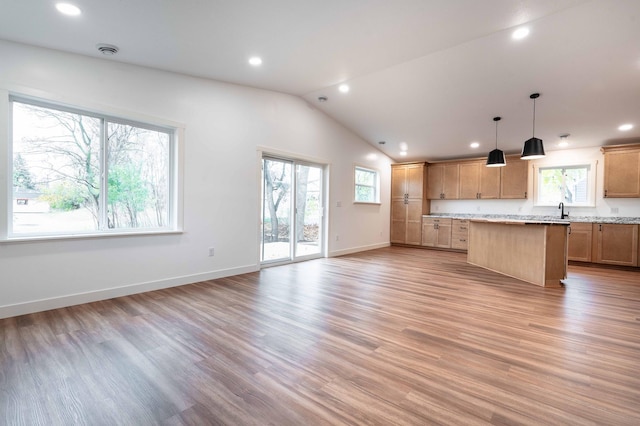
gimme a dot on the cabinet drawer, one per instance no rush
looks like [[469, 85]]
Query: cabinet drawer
[[460, 229], [459, 243]]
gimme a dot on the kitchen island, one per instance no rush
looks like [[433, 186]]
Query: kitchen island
[[529, 250]]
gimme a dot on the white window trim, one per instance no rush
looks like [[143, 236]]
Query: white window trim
[[377, 184], [591, 182], [176, 194]]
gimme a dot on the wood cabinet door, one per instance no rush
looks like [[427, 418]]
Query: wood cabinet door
[[469, 180], [514, 179], [615, 244], [398, 181], [398, 221], [451, 180], [622, 174], [489, 182], [414, 222], [415, 181], [580, 242], [435, 181], [429, 233], [443, 236]]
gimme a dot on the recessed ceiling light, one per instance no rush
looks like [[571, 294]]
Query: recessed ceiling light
[[474, 145], [255, 61], [403, 146], [68, 9], [625, 127], [403, 153], [344, 88], [520, 33]]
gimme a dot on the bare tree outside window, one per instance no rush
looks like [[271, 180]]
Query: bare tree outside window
[[60, 183]]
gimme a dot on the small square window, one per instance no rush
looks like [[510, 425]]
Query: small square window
[[367, 182]]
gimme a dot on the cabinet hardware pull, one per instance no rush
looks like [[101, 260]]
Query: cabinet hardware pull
[[605, 192], [569, 230]]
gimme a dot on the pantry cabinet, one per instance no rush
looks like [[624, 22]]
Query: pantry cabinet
[[408, 204]]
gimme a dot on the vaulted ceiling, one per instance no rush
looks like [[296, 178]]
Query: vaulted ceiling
[[429, 73]]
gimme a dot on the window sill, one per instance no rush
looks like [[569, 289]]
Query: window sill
[[41, 238], [368, 202]]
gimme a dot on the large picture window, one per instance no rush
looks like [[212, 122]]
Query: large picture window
[[76, 172]]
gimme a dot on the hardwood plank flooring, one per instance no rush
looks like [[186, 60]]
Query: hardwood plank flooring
[[395, 336]]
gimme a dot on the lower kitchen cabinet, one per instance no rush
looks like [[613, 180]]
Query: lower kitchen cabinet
[[436, 232], [460, 234], [580, 241], [615, 244]]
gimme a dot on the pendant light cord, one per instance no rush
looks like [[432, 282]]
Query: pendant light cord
[[496, 134], [533, 134]]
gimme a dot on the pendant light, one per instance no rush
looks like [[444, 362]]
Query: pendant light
[[496, 157], [533, 147]]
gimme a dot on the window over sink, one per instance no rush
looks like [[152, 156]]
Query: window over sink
[[573, 185]]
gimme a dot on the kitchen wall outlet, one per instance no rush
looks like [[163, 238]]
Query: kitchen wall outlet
[[338, 203], [477, 208], [615, 210], [337, 237], [211, 251]]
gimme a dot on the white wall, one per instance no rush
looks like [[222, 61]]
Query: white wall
[[225, 128], [629, 207]]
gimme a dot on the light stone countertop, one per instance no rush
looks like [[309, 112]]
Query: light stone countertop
[[539, 218]]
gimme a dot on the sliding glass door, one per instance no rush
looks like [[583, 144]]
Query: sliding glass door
[[292, 210]]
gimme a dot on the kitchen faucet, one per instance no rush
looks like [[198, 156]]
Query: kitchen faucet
[[562, 213]]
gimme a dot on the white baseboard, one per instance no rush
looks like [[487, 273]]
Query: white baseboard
[[351, 250], [94, 296]]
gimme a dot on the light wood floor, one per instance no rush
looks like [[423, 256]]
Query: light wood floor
[[390, 337]]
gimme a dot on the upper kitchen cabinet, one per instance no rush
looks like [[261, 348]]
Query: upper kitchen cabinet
[[514, 178], [443, 179], [621, 171], [477, 181], [408, 204]]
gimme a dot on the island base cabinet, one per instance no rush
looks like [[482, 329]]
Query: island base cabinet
[[535, 253], [615, 244]]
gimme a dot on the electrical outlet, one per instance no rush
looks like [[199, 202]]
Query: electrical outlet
[[338, 203], [614, 210], [211, 251], [477, 208], [337, 237]]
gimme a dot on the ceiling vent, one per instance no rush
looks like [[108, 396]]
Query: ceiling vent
[[107, 49]]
